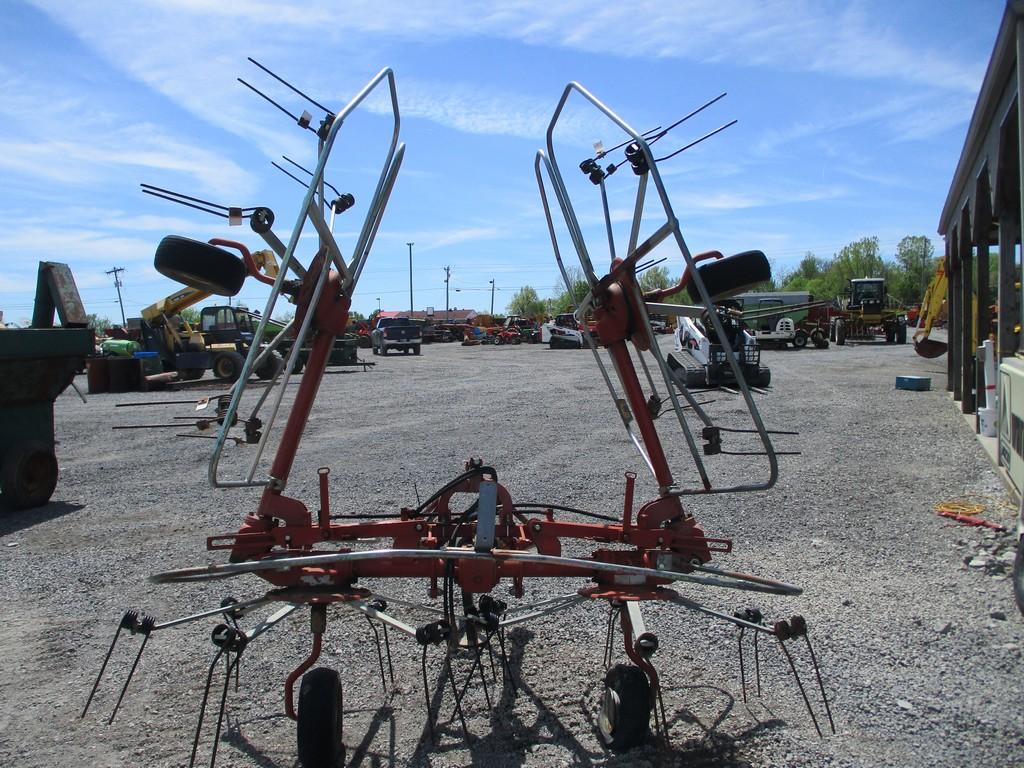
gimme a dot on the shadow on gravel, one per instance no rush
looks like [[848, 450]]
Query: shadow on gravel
[[14, 520]]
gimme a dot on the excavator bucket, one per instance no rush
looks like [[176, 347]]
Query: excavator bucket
[[929, 347]]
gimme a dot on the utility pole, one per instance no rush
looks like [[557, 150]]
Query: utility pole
[[378, 306], [447, 277], [410, 278], [117, 284], [492, 298]]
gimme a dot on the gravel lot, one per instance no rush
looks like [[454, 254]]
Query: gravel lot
[[921, 652]]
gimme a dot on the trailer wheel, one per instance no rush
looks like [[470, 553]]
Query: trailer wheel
[[625, 715], [199, 265], [800, 340], [227, 366], [29, 475], [732, 275], [319, 731], [269, 368]]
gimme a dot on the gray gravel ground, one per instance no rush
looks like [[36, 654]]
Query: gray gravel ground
[[921, 652]]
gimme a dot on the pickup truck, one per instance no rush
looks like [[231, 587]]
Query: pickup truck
[[396, 333]]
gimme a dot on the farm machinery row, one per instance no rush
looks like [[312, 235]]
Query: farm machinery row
[[469, 537]]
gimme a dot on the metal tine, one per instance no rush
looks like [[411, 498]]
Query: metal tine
[[127, 622], [291, 87], [426, 694], [202, 706], [821, 684], [387, 647], [232, 664], [757, 663], [451, 679], [800, 685], [695, 142], [743, 671], [145, 627], [380, 655]]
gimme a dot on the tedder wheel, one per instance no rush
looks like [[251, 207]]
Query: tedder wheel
[[28, 475], [625, 715], [800, 340], [200, 265], [228, 366], [269, 368], [320, 720], [731, 275]]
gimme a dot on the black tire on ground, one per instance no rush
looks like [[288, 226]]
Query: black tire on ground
[[800, 340], [416, 349], [763, 378], [29, 474], [840, 332], [819, 339], [625, 717], [731, 275], [901, 333], [1018, 576], [269, 368], [227, 366], [190, 374], [890, 335], [373, 347], [383, 349], [200, 265], [319, 731]]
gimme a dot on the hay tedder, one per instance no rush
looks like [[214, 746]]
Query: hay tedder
[[469, 536]]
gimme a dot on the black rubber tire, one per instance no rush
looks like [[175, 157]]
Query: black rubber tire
[[1018, 576], [819, 339], [319, 730], [200, 265], [190, 374], [840, 332], [416, 349], [625, 717], [299, 365], [763, 378], [270, 367], [373, 348], [29, 475], [901, 333], [227, 366], [383, 350], [731, 275], [800, 340]]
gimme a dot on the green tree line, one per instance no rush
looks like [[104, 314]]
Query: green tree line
[[907, 274]]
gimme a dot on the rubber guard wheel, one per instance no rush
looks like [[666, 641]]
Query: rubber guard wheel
[[200, 265], [270, 366], [625, 715], [29, 475], [731, 275], [320, 720], [228, 366]]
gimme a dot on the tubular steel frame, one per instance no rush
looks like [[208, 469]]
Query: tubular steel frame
[[284, 543]]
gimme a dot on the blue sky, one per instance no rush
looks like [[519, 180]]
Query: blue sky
[[851, 119]]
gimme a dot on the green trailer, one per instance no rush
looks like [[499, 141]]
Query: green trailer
[[36, 365]]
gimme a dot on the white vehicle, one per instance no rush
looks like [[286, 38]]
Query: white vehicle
[[563, 333], [698, 362]]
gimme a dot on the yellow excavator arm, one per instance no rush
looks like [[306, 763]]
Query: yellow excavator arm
[[931, 307]]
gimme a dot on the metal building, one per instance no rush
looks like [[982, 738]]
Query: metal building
[[981, 223]]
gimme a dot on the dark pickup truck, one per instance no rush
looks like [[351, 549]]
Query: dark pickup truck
[[396, 333]]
